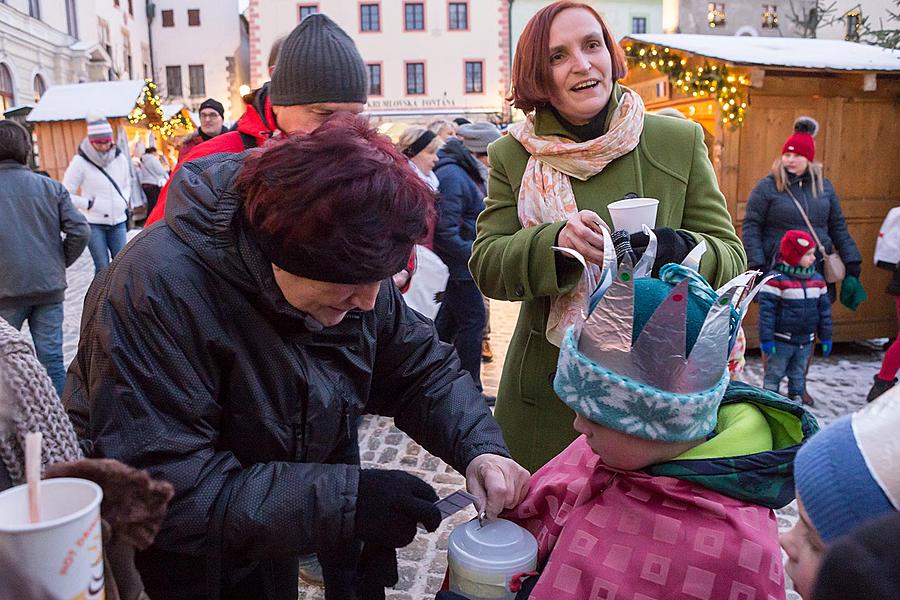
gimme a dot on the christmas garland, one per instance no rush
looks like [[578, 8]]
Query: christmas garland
[[148, 108], [708, 80]]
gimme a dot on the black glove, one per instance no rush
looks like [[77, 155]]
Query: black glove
[[340, 569], [377, 570], [671, 246], [389, 504]]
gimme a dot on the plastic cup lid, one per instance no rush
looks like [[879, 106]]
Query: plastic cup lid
[[500, 546]]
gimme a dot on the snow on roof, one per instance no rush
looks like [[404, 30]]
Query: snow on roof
[[77, 101], [781, 52], [170, 110]]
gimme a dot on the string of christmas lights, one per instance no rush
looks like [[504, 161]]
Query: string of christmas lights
[[148, 112], [708, 80]]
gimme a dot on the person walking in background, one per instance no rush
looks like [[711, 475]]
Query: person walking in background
[[99, 181], [772, 211], [461, 319], [420, 146], [793, 307], [476, 137], [586, 142], [318, 72], [153, 176], [887, 256], [35, 211], [443, 129], [212, 124]]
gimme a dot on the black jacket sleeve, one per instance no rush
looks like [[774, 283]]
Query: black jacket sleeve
[[145, 388], [839, 232], [73, 225], [752, 228], [418, 380]]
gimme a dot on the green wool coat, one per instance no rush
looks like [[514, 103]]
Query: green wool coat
[[511, 263]]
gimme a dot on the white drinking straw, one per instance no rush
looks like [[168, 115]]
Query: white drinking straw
[[33, 474]]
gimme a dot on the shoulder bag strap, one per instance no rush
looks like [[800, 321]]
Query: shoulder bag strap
[[105, 174], [812, 230]]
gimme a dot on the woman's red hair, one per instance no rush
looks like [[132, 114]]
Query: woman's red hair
[[531, 78]]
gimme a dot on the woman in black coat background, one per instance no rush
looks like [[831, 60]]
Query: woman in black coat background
[[771, 212]]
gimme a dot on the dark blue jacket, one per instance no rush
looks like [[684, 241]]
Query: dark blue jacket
[[793, 307], [770, 214], [462, 199]]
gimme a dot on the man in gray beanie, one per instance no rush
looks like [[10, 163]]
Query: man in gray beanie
[[318, 72]]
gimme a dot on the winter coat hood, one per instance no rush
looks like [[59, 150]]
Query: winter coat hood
[[454, 153], [751, 458], [258, 119]]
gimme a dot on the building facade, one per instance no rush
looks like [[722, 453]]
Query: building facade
[[50, 43], [734, 17], [196, 49], [426, 58], [622, 16]]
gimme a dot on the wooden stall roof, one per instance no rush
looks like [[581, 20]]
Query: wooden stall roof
[[76, 102], [800, 53]]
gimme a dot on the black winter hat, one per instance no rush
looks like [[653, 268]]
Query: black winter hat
[[215, 105], [318, 62]]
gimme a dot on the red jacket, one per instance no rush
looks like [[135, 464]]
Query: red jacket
[[257, 122]]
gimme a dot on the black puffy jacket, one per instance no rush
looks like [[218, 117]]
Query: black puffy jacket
[[770, 214], [193, 366]]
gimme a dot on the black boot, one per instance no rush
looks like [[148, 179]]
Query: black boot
[[879, 387]]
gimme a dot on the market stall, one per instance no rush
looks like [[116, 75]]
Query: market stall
[[747, 91], [134, 106]]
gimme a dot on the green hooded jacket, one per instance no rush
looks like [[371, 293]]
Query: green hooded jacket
[[511, 263], [751, 455]]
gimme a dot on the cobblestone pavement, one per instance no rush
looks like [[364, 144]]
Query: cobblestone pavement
[[838, 384]]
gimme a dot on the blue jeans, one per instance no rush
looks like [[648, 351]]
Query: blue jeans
[[105, 243], [45, 322], [789, 360], [460, 321]]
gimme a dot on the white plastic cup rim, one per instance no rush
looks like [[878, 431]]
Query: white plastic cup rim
[[632, 203], [51, 523]]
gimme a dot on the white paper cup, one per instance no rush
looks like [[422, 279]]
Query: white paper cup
[[633, 213], [64, 551]]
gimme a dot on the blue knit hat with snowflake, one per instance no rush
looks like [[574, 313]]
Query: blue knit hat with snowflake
[[649, 356]]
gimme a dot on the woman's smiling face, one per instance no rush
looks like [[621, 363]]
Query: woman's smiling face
[[580, 64]]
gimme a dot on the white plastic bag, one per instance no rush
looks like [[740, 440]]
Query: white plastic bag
[[428, 280], [887, 246]]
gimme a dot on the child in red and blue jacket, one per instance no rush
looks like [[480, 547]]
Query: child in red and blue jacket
[[793, 307]]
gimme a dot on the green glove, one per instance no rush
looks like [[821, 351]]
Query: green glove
[[852, 293]]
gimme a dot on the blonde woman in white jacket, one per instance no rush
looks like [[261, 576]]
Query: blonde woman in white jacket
[[95, 194]]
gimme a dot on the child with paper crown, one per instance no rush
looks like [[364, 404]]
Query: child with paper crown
[[846, 476], [793, 307], [669, 493]]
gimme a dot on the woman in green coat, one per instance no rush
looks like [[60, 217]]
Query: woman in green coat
[[586, 143]]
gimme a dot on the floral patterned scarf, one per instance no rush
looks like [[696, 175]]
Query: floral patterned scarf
[[546, 194]]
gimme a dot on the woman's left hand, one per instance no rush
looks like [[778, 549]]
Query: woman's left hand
[[496, 482]]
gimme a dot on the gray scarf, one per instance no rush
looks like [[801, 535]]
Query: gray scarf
[[101, 160]]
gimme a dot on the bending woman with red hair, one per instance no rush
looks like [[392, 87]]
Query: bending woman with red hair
[[230, 350]]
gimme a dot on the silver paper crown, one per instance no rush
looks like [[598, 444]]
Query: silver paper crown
[[658, 357]]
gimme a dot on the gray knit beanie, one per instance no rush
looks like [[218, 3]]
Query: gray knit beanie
[[318, 62], [476, 137]]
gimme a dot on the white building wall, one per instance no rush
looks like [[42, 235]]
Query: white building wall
[[30, 47], [875, 10], [444, 53], [122, 25], [618, 15], [214, 44]]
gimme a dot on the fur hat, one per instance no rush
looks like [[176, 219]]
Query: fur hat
[[794, 245], [846, 474], [802, 142]]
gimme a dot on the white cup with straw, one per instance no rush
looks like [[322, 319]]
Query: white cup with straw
[[52, 529], [632, 214]]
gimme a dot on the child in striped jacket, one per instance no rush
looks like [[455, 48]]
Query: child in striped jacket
[[793, 307]]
